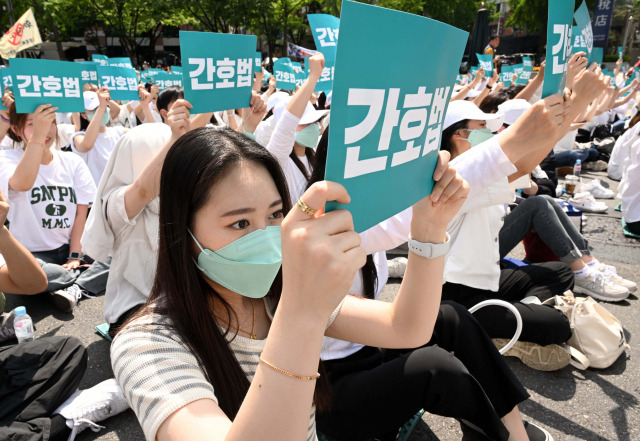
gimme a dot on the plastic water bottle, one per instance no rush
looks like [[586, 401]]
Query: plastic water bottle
[[23, 325], [577, 169]]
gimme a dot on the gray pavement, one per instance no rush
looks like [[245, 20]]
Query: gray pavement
[[571, 404]]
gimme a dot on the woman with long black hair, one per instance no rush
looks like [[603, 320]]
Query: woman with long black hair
[[228, 345]]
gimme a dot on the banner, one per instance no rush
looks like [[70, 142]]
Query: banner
[[293, 50], [22, 35], [506, 75], [601, 22], [120, 62], [122, 82], [55, 82], [164, 80], [102, 60], [5, 81], [559, 41], [217, 70], [89, 73], [386, 128], [486, 62], [285, 74], [583, 31]]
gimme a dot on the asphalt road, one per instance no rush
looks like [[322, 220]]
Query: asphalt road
[[571, 404]]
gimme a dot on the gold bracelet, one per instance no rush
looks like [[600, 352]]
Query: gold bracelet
[[289, 374]]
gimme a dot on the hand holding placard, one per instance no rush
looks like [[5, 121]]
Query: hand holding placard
[[43, 117], [103, 97], [179, 118], [252, 115]]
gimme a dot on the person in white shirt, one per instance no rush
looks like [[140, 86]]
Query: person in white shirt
[[630, 189], [297, 132], [50, 192]]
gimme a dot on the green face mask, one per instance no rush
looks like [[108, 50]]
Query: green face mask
[[479, 136], [309, 136], [105, 117], [247, 266]]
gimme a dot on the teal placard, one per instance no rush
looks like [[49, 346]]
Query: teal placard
[[121, 62], [37, 82], [474, 70], [597, 55], [486, 62], [164, 80], [176, 70], [525, 76], [5, 81], [257, 62], [583, 31], [89, 73], [506, 75], [217, 70], [517, 68], [620, 52], [285, 74], [122, 82], [301, 77], [325, 29], [636, 73], [527, 62], [559, 28], [102, 60], [386, 127]]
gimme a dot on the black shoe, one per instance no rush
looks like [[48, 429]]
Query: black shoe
[[536, 433]]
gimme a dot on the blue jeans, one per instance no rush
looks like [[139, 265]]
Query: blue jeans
[[569, 158]]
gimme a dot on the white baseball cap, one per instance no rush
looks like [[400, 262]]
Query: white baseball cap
[[276, 98], [312, 115], [460, 110], [513, 109], [91, 100]]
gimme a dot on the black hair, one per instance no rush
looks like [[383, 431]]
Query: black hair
[[169, 95], [493, 100], [447, 135], [148, 85], [493, 37], [514, 90]]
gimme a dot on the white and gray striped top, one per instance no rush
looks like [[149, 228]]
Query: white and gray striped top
[[159, 375]]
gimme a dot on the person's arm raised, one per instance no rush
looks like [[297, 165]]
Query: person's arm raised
[[85, 142], [299, 101], [21, 273], [408, 321], [27, 170], [487, 89], [252, 115], [462, 94], [320, 257], [7, 101], [145, 106], [146, 187]]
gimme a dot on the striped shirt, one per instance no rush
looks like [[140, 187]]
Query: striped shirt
[[159, 375]]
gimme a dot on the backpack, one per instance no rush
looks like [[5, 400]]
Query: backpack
[[598, 338]]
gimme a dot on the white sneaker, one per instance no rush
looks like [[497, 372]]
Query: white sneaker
[[597, 190], [585, 201], [66, 299], [87, 407], [615, 278], [600, 286], [397, 267]]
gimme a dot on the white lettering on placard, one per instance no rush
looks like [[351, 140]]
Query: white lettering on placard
[[419, 123], [562, 50], [229, 73], [34, 86], [327, 36]]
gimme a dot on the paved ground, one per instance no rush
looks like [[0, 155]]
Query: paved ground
[[572, 404]]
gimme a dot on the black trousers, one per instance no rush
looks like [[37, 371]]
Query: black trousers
[[36, 378], [541, 324], [458, 374]]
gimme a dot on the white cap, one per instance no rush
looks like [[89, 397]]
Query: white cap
[[91, 100], [312, 115], [460, 110], [276, 98], [472, 93], [513, 109]]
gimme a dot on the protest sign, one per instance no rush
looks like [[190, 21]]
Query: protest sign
[[176, 70], [102, 60], [517, 68], [5, 81], [324, 29], [285, 74], [257, 62], [597, 55], [120, 62], [583, 32], [165, 79], [217, 70], [22, 35], [122, 82], [301, 77], [486, 62], [525, 74], [506, 75], [386, 128], [89, 73], [620, 52], [37, 82], [559, 28]]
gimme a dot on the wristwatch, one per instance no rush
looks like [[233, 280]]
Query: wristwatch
[[75, 256], [429, 250], [489, 87]]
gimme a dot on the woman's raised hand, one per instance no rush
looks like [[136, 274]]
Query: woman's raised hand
[[179, 118], [321, 252], [43, 117]]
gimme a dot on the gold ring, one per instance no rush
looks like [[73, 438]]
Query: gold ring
[[305, 208]]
